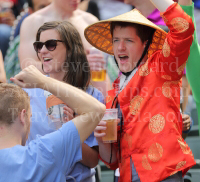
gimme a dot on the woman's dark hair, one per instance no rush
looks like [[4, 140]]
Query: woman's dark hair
[[144, 32], [76, 66]]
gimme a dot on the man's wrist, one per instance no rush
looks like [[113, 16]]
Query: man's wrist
[[43, 82]]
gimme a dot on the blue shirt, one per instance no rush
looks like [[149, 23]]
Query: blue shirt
[[39, 126], [45, 159]]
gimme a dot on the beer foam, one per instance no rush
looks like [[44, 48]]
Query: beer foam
[[107, 117]]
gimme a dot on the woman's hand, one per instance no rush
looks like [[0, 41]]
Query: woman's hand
[[98, 132], [186, 122], [68, 113]]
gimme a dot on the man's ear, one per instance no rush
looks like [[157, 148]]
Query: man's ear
[[23, 116]]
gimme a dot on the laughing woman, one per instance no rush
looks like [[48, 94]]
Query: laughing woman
[[59, 47]]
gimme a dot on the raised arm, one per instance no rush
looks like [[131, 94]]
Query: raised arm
[[172, 58], [2, 71], [90, 110]]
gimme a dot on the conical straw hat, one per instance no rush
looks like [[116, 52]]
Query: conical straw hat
[[99, 35]]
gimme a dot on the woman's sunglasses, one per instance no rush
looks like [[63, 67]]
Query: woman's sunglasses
[[49, 44]]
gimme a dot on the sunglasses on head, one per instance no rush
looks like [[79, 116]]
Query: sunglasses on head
[[49, 44]]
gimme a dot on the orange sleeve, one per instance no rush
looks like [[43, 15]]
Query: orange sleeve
[[176, 48]]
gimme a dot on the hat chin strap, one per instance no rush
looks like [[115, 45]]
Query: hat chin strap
[[140, 60]]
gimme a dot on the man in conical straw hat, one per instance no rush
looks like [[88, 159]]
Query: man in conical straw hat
[[150, 147]]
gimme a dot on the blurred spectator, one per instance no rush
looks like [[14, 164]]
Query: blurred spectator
[[111, 67], [2, 72], [18, 6], [6, 21], [111, 8], [12, 65], [5, 31], [90, 6], [33, 6]]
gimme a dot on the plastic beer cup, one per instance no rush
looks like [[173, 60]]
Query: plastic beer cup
[[110, 117], [56, 116]]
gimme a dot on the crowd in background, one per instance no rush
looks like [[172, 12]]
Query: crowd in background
[[19, 24]]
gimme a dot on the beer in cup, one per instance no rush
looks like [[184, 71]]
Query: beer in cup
[[110, 117], [98, 68]]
